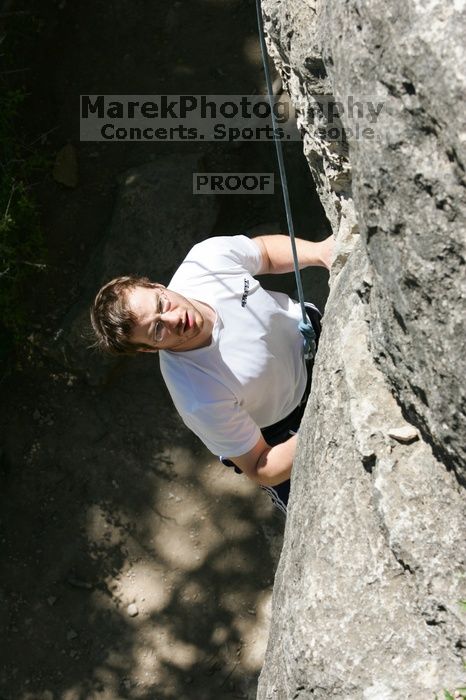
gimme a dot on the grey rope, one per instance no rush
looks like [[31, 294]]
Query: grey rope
[[304, 326]]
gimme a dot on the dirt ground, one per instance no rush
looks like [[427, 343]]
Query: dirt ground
[[134, 566]]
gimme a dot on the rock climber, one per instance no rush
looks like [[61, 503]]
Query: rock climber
[[230, 351]]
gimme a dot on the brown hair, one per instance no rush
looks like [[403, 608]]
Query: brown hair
[[112, 318]]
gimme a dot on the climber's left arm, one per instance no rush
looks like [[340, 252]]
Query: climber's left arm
[[277, 256]]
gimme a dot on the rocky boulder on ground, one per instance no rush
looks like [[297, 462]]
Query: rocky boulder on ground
[[156, 220]]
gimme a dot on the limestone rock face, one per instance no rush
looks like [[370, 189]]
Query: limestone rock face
[[372, 568]]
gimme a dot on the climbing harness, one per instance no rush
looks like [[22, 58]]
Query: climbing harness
[[305, 326]]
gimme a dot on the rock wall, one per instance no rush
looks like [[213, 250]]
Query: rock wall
[[366, 598]]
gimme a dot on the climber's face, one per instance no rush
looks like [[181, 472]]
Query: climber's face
[[166, 320]]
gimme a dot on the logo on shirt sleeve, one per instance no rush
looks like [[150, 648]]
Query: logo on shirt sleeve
[[244, 298]]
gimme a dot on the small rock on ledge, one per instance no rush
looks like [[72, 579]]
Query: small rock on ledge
[[404, 434]]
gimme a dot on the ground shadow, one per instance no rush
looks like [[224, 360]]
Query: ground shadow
[[107, 500]]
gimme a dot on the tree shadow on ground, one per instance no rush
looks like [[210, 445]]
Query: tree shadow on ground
[[107, 500], [115, 503]]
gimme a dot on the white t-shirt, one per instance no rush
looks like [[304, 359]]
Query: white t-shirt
[[253, 373]]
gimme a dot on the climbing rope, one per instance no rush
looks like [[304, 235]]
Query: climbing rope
[[305, 326]]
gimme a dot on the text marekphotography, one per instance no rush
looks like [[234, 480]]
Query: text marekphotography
[[114, 118]]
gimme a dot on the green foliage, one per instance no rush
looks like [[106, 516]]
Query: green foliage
[[22, 252], [458, 693]]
